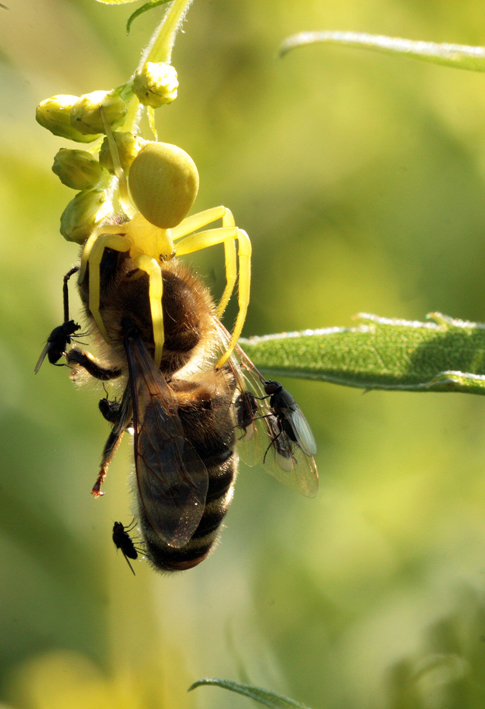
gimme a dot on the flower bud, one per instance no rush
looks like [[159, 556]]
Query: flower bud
[[156, 84], [86, 116], [83, 214], [128, 148], [55, 114], [163, 183], [78, 169]]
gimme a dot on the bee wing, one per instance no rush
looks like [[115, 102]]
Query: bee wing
[[42, 357], [172, 479]]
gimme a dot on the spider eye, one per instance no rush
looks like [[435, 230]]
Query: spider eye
[[163, 183]]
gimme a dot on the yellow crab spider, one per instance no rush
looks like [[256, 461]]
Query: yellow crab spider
[[163, 182]]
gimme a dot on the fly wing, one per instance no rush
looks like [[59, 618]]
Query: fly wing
[[42, 357], [302, 430], [288, 463], [172, 478]]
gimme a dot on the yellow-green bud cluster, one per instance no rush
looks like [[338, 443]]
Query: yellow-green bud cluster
[[55, 114], [86, 112], [78, 169], [156, 84], [80, 119], [83, 213], [127, 146], [163, 179]]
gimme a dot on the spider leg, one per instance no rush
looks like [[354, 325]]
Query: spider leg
[[103, 229], [155, 292], [202, 219], [211, 237], [105, 241]]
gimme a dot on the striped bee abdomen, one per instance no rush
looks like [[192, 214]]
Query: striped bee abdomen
[[205, 409]]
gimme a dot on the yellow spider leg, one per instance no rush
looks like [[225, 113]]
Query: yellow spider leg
[[155, 292], [198, 221], [211, 237], [110, 241], [231, 265], [103, 229], [202, 219]]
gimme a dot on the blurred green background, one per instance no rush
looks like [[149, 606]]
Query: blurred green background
[[361, 180]]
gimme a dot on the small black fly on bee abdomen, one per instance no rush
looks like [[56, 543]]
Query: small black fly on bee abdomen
[[110, 409], [246, 406]]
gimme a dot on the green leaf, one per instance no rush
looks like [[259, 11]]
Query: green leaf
[[459, 56], [263, 696], [144, 8], [440, 355]]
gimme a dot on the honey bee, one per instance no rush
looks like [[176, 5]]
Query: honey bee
[[181, 412], [187, 415], [123, 541]]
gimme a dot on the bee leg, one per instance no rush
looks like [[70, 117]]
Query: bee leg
[[109, 450], [114, 440], [75, 356]]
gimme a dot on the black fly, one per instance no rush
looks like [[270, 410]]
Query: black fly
[[56, 344], [61, 336], [290, 419], [123, 541]]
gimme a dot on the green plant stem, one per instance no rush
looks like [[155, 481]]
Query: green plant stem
[[160, 47], [458, 56]]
